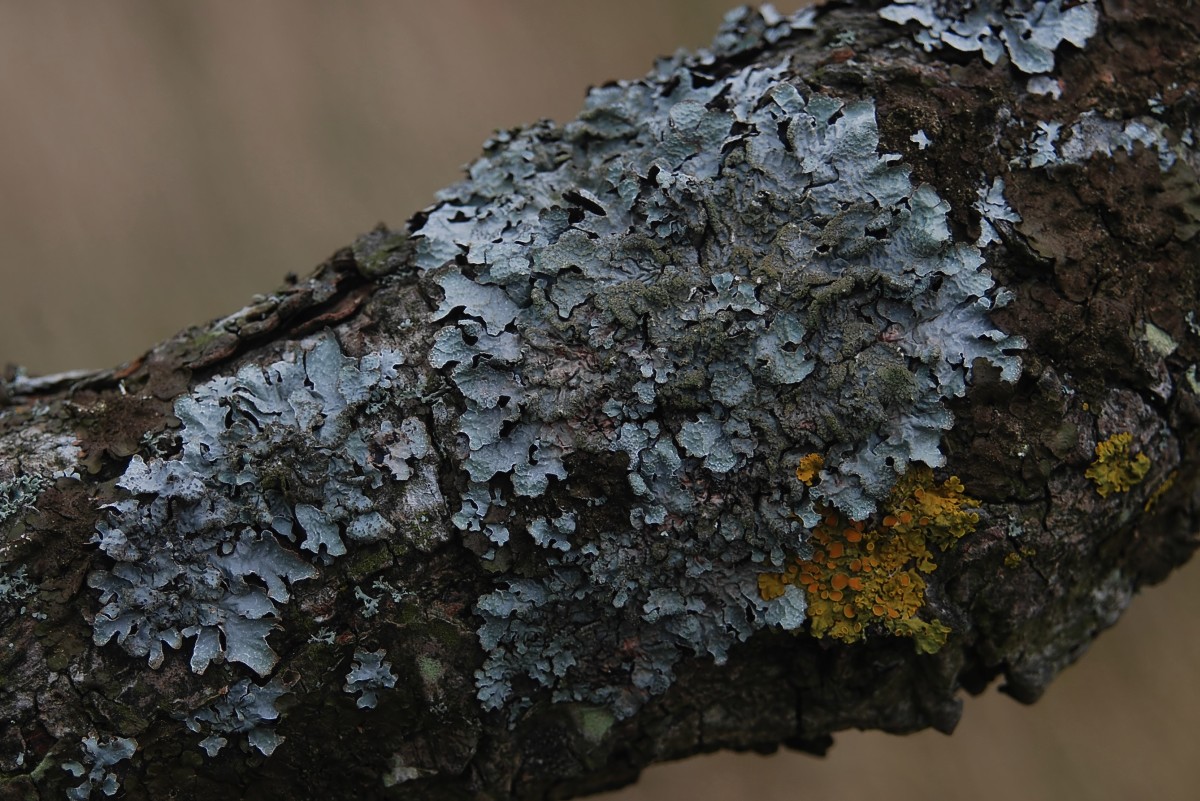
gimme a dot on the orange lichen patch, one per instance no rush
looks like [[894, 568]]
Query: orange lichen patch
[[809, 467], [1116, 469], [860, 576]]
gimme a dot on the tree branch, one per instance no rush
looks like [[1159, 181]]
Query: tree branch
[[793, 388]]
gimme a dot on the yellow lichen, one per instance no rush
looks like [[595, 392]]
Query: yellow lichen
[[1160, 491], [772, 585], [1115, 468], [861, 576], [806, 471], [1016, 557]]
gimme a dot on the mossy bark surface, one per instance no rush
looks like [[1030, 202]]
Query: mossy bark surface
[[1104, 271]]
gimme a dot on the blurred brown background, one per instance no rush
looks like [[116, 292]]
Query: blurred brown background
[[162, 160]]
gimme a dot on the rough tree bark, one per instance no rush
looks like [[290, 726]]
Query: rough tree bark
[[647, 439]]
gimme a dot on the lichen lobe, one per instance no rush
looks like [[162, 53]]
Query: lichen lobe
[[1029, 32]]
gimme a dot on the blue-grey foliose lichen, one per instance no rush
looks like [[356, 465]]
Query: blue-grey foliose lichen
[[369, 604], [709, 273], [94, 766], [1028, 30], [245, 708], [274, 475], [368, 674], [993, 208], [1093, 134]]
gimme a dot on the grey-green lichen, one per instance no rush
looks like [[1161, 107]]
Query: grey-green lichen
[[379, 252], [1029, 31], [710, 272], [15, 589], [1158, 340], [18, 495], [273, 477]]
